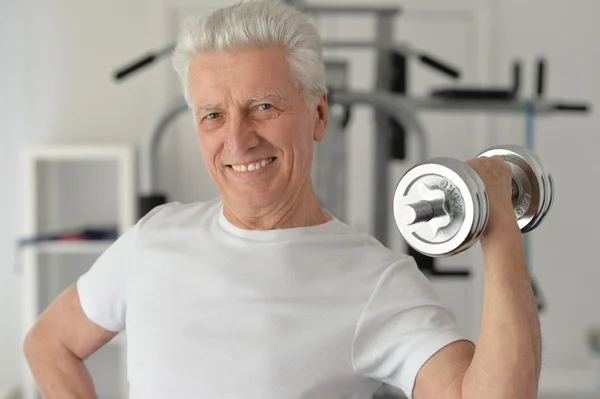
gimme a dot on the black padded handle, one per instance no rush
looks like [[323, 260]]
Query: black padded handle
[[449, 273], [541, 77], [150, 201], [129, 69], [573, 107], [142, 62], [441, 66]]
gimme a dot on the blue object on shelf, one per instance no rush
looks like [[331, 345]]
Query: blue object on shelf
[[87, 234]]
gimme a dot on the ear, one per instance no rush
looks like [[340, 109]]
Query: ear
[[321, 117]]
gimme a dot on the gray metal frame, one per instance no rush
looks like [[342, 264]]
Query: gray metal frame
[[357, 9], [330, 155], [382, 203], [149, 147]]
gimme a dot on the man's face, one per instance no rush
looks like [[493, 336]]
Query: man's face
[[254, 130]]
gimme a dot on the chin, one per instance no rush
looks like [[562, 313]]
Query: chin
[[255, 197]]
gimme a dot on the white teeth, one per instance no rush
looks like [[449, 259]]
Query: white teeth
[[253, 166]]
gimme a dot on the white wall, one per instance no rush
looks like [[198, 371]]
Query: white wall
[[10, 80], [563, 255], [55, 83]]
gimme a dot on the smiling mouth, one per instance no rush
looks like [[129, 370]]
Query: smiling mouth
[[253, 166]]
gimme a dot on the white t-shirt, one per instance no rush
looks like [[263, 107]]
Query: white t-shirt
[[215, 311]]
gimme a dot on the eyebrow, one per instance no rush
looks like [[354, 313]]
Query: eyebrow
[[259, 97], [263, 96]]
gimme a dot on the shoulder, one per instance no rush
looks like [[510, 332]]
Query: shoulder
[[362, 255], [373, 252]]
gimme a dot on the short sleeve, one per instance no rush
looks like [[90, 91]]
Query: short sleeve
[[403, 324], [103, 288]]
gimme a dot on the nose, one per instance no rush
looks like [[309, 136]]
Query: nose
[[240, 135]]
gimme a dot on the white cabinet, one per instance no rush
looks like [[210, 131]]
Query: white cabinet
[[68, 188]]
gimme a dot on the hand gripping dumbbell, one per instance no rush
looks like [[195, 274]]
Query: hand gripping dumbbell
[[441, 207]]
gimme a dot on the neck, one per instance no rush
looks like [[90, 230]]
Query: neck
[[300, 209]]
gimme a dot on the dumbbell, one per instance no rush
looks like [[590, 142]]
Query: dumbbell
[[441, 207]]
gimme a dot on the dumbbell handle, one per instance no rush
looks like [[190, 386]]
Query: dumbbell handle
[[424, 211]]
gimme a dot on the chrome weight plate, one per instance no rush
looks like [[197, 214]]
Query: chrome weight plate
[[450, 198], [550, 193], [549, 202], [532, 199]]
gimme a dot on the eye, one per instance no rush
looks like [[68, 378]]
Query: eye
[[265, 107], [213, 115]]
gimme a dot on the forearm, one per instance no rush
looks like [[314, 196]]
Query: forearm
[[58, 373], [508, 353]]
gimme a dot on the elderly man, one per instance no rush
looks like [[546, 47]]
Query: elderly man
[[261, 293]]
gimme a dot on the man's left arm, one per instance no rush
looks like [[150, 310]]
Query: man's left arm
[[506, 361]]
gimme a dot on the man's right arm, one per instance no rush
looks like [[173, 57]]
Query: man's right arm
[[57, 345]]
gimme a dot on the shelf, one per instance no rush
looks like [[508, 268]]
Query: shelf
[[78, 152], [45, 170], [95, 247]]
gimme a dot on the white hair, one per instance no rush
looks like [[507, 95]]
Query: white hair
[[256, 24]]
